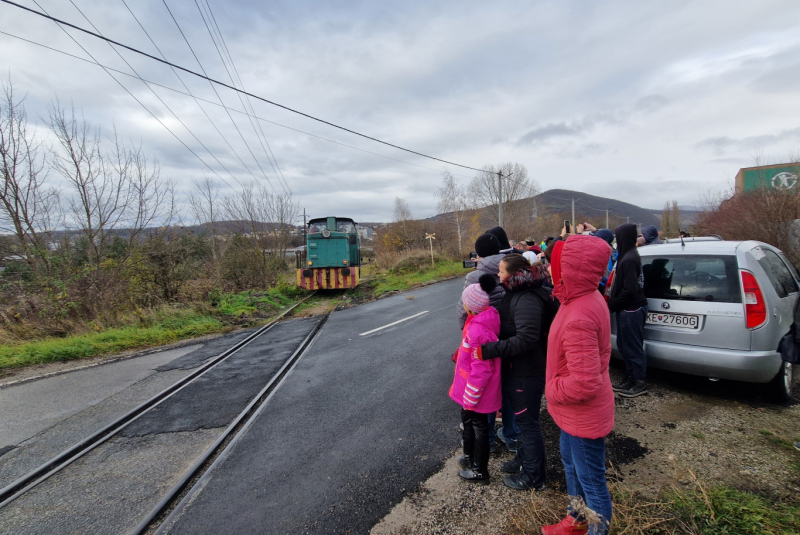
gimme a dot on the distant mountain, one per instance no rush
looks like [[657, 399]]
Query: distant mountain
[[594, 207]]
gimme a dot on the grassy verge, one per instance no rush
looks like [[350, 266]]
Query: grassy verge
[[399, 280], [171, 329], [165, 325], [222, 313]]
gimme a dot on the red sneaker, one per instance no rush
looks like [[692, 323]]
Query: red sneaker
[[568, 526]]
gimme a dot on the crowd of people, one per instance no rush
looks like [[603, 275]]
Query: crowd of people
[[535, 320]]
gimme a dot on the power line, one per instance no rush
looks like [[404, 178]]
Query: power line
[[45, 15], [156, 94], [141, 104], [255, 124], [219, 97], [224, 138], [222, 105]]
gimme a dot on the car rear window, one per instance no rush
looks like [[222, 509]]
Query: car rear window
[[692, 278]]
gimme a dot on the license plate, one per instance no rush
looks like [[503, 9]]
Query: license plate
[[684, 321]]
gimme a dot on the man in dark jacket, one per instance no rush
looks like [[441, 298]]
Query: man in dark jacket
[[502, 237], [627, 300], [650, 235]]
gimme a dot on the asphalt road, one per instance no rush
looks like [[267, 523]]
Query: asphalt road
[[360, 422]]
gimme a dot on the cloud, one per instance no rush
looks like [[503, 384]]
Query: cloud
[[723, 144]]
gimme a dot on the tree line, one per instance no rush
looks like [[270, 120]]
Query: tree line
[[91, 229]]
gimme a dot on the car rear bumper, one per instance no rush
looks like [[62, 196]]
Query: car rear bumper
[[749, 366]]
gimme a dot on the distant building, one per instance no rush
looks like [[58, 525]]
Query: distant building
[[782, 176], [365, 232]]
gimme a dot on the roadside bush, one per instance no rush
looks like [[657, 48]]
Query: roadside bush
[[416, 261]]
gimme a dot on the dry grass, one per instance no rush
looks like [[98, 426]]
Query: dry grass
[[686, 506]]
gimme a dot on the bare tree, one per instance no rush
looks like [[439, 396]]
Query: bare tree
[[152, 199], [114, 193], [205, 206], [666, 220], [453, 204], [31, 211], [264, 221], [518, 192], [100, 188]]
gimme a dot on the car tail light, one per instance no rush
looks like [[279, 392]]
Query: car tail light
[[754, 306]]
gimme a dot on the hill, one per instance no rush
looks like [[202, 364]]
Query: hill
[[594, 207]]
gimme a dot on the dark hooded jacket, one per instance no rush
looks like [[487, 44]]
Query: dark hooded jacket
[[502, 237], [627, 288], [650, 235], [526, 312]]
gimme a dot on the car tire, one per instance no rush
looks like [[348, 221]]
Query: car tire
[[780, 388]]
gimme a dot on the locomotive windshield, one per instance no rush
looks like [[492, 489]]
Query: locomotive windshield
[[342, 225]]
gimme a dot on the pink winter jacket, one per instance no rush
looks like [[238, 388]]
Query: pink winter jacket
[[578, 387], [476, 385]]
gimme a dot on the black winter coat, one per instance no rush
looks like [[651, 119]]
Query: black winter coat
[[526, 312]]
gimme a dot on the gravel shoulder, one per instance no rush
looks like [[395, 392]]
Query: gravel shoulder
[[685, 428]]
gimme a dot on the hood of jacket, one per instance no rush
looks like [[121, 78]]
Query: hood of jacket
[[488, 319], [650, 234], [501, 236], [490, 264], [532, 277], [626, 238], [583, 261]]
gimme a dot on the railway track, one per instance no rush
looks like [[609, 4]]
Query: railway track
[[166, 404]]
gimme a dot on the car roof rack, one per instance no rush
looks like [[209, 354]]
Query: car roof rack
[[710, 237]]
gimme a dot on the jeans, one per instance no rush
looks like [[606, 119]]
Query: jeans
[[510, 429], [585, 467], [476, 438], [630, 342], [526, 398]]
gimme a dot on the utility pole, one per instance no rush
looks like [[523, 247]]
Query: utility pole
[[305, 229], [573, 214], [500, 196], [628, 218], [607, 210]]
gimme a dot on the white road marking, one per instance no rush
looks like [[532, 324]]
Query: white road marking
[[394, 323]]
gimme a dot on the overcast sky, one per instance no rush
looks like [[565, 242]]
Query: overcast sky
[[640, 101]]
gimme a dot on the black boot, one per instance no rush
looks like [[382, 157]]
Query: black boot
[[465, 461], [625, 384], [511, 467], [475, 476], [638, 388]]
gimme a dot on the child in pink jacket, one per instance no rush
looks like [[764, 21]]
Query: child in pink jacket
[[476, 385]]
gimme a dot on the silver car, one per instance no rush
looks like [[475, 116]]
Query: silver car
[[718, 309]]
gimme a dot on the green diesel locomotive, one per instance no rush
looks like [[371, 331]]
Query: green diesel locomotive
[[332, 257]]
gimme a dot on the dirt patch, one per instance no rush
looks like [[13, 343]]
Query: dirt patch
[[720, 434]]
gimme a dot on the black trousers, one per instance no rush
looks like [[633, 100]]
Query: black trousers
[[476, 438], [526, 398]]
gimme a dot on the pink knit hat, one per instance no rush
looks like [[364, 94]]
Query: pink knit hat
[[475, 298]]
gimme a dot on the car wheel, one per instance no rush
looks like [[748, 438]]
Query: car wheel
[[780, 388]]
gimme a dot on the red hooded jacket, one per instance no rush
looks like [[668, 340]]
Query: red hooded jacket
[[578, 388]]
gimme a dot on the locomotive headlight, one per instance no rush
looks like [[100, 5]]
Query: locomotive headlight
[[344, 262], [310, 262]]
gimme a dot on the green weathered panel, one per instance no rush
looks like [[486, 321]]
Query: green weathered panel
[[783, 178], [328, 252]]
